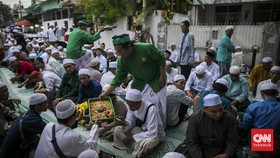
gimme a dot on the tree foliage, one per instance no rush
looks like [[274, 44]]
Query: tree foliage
[[6, 17], [105, 11], [109, 11]]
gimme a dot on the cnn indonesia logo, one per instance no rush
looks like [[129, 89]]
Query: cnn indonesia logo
[[262, 139]]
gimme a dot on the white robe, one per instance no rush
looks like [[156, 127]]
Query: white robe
[[206, 82], [70, 142], [51, 81]]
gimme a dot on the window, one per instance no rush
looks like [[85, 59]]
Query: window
[[266, 12], [65, 14], [228, 14], [58, 14]]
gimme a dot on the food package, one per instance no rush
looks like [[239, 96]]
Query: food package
[[101, 109]]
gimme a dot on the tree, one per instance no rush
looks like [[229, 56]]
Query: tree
[[6, 17], [104, 11], [109, 11]]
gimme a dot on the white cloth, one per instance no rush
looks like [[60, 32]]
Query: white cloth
[[95, 74], [170, 76], [159, 99], [258, 92], [9, 53], [51, 80], [83, 61], [206, 82], [174, 55], [107, 78], [196, 57], [213, 68], [47, 68], [57, 66], [52, 37], [103, 63], [69, 142], [45, 56]]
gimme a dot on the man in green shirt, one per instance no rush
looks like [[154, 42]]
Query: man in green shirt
[[147, 66], [76, 41], [69, 87]]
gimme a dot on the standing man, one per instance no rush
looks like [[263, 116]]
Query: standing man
[[225, 48], [76, 41], [147, 66], [186, 56]]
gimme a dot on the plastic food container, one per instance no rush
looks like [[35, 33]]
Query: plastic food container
[[101, 109]]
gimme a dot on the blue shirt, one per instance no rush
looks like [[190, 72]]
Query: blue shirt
[[237, 90], [32, 124], [262, 115], [225, 48], [92, 90]]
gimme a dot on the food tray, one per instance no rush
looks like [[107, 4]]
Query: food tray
[[104, 112]]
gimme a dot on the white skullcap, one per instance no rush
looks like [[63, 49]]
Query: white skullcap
[[237, 47], [234, 70], [267, 59], [94, 62], [179, 77], [68, 61], [93, 48], [229, 28], [15, 50], [84, 72], [65, 109], [213, 49], [32, 56], [200, 69], [7, 44], [15, 31], [86, 45], [113, 64], [222, 81], [212, 100], [133, 95], [36, 46], [89, 154], [173, 44], [106, 86], [275, 68], [27, 40], [168, 62], [110, 51], [37, 98], [59, 47], [268, 86], [13, 58], [48, 48], [43, 46], [54, 51], [19, 47], [173, 155]]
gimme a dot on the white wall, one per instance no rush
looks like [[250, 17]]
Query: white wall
[[153, 20]]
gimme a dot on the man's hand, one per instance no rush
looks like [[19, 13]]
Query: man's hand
[[13, 79], [234, 103], [251, 88], [190, 94], [128, 140], [221, 156], [15, 100]]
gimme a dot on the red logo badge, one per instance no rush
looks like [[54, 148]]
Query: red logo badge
[[262, 139]]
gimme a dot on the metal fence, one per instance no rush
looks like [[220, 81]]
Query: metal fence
[[206, 36]]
